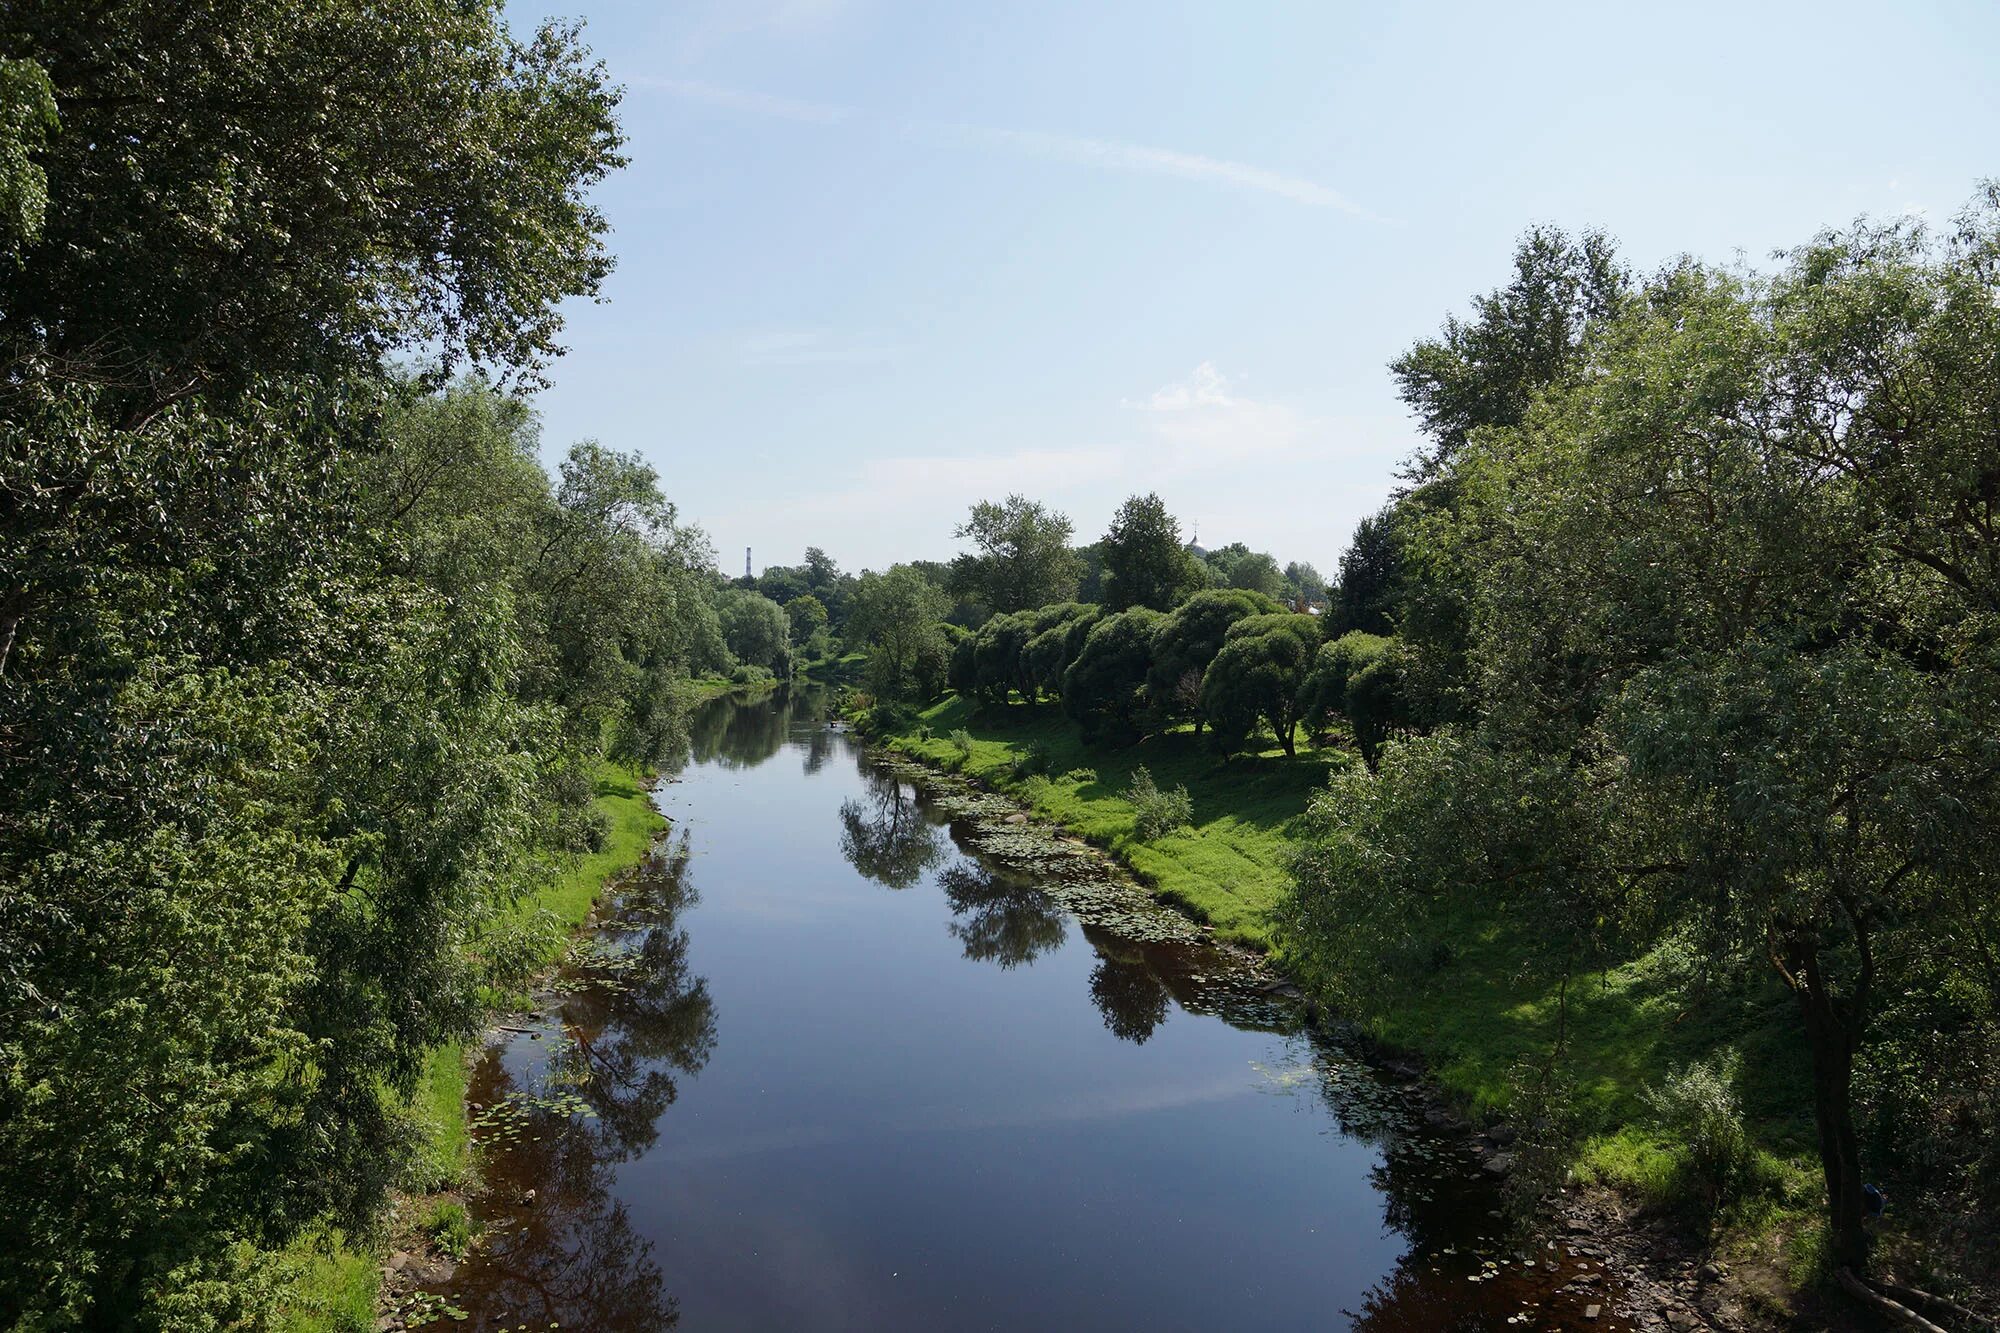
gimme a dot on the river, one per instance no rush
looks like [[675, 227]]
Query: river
[[847, 1055]]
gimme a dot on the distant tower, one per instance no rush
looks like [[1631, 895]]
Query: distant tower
[[746, 562]]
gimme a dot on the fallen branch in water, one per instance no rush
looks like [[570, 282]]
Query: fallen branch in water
[[1875, 1300]]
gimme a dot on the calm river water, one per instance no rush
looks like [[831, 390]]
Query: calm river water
[[822, 1067]]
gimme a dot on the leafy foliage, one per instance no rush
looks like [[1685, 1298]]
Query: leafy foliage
[[1259, 672], [1104, 688], [1145, 563], [1023, 557], [1158, 812]]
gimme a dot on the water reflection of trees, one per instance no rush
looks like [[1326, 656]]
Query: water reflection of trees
[[1005, 920], [645, 1018], [886, 837], [1127, 992], [639, 1020], [739, 732]]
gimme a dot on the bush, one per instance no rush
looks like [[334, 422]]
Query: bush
[[449, 1227], [888, 718], [1034, 761], [961, 741], [923, 731], [746, 674], [1081, 776], [1159, 812], [1697, 1110]]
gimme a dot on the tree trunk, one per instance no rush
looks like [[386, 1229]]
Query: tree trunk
[[1831, 1038]]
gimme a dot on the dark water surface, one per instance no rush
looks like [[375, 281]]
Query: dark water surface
[[821, 1068]]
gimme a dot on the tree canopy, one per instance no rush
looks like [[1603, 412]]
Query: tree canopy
[[1022, 557], [1145, 562]]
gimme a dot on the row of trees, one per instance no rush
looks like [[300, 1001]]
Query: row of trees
[[306, 665], [1180, 635], [1022, 559], [1696, 596]]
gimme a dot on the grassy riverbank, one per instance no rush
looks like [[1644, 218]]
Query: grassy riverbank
[[340, 1280], [1474, 1020]]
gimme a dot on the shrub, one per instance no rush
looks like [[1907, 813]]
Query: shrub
[[1697, 1110], [1033, 761], [1081, 776], [923, 731], [746, 674], [888, 717], [449, 1227], [1159, 812], [961, 741]]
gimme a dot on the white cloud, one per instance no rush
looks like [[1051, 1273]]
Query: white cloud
[[1200, 422], [1205, 386], [1105, 154], [1118, 156], [737, 99]]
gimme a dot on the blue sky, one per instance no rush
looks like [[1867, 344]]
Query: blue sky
[[877, 261]]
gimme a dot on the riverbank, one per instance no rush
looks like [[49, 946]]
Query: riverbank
[[1472, 1023], [340, 1282]]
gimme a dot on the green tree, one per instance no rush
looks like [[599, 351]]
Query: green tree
[[807, 615], [1334, 669], [1365, 597], [1145, 563], [1022, 557], [1188, 640], [997, 654], [1058, 635], [1104, 690], [1260, 671], [899, 614], [27, 119], [1303, 584], [756, 629], [1484, 371], [270, 753], [1258, 573], [1759, 703]]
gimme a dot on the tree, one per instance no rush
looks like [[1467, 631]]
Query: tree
[[1188, 640], [1058, 637], [307, 740], [1104, 690], [1334, 669], [1758, 701], [1258, 573], [1521, 338], [1145, 563], [756, 629], [996, 655], [419, 176], [898, 615], [1260, 671], [1366, 595], [1303, 585], [807, 616], [1023, 558]]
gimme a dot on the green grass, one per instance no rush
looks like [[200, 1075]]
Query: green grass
[[336, 1288], [339, 1282], [1227, 869]]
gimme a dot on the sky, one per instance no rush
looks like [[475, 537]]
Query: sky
[[877, 261]]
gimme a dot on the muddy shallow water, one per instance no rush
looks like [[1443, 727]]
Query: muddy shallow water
[[850, 1054]]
